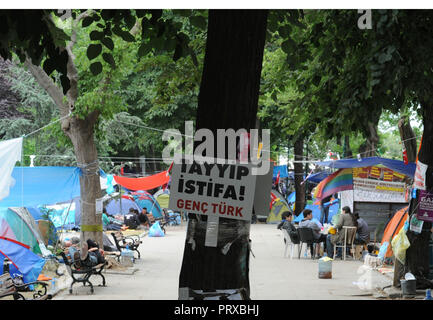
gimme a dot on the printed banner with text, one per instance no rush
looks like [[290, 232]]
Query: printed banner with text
[[223, 190]]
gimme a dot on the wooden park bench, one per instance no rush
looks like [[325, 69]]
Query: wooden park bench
[[8, 287], [83, 274], [121, 242]]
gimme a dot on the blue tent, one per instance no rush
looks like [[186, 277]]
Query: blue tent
[[145, 200], [24, 261], [396, 165], [36, 186]]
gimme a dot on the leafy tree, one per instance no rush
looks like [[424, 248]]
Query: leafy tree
[[352, 75]]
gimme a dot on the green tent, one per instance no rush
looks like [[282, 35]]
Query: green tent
[[278, 207], [163, 198]]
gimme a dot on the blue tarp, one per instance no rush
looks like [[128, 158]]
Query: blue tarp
[[396, 165], [283, 171], [36, 186], [292, 197]]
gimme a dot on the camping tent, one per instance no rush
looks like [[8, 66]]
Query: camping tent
[[279, 205], [163, 198], [23, 260], [18, 224], [393, 227], [145, 200], [117, 206]]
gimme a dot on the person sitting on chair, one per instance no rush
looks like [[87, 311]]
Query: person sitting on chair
[[362, 233], [288, 225], [109, 222], [346, 219], [308, 222]]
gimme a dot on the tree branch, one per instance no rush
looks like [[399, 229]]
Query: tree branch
[[50, 87], [72, 93]]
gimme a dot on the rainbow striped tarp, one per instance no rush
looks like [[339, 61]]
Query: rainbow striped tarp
[[338, 181]]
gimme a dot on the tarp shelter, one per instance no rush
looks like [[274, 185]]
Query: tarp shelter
[[393, 227], [62, 214], [18, 224], [279, 205], [380, 188], [163, 197], [36, 186], [145, 183], [23, 260], [396, 165], [145, 200]]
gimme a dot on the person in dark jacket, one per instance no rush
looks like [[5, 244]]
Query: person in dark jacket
[[287, 224]]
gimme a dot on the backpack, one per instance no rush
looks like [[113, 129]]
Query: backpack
[[131, 221]]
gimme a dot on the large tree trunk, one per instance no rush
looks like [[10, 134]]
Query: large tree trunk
[[417, 255], [299, 173], [369, 147], [81, 133], [228, 99], [408, 137]]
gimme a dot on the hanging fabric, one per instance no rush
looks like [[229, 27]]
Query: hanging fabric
[[10, 153]]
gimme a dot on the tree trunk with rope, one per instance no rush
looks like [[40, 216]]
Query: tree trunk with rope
[[81, 133], [408, 139]]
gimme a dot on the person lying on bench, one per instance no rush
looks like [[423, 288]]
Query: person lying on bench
[[83, 256]]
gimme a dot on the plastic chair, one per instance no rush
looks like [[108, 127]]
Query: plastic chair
[[289, 242], [349, 239], [306, 236]]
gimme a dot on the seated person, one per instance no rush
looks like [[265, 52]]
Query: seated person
[[362, 233], [109, 222], [131, 219], [288, 225], [346, 219], [93, 247], [80, 256], [308, 222], [143, 218]]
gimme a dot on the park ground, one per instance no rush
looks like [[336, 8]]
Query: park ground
[[272, 276]]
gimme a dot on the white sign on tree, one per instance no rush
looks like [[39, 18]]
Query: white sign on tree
[[213, 189]]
